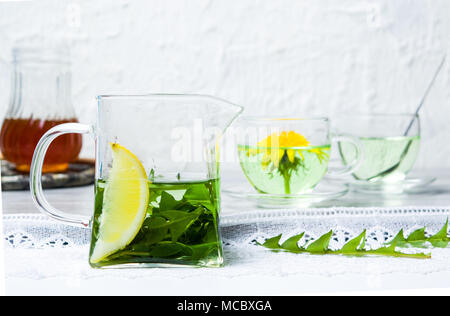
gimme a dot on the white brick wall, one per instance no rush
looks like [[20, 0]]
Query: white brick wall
[[302, 57]]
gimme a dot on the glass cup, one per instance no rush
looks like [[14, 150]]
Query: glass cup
[[391, 144], [157, 198], [290, 156]]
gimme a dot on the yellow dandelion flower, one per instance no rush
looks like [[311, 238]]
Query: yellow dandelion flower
[[285, 154], [277, 145]]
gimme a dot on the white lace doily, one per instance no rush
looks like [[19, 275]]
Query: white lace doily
[[39, 248]]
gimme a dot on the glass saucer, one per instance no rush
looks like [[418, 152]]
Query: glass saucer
[[409, 185], [324, 191]]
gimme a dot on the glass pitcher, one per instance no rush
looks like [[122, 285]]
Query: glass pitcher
[[157, 191], [40, 99]]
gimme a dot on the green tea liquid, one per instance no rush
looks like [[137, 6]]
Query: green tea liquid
[[288, 177], [394, 154], [181, 227]]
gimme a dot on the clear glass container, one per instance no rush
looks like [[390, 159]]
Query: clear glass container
[[391, 144], [40, 99], [157, 192], [288, 157]]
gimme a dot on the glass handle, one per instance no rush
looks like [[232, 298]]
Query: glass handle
[[36, 173], [353, 165]]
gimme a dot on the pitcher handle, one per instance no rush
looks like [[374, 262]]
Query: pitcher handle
[[355, 164], [36, 174]]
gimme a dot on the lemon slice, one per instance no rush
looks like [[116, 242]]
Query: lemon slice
[[125, 202]]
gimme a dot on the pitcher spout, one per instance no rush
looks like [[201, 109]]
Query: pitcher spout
[[220, 113]]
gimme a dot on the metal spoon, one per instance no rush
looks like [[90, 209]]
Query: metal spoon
[[422, 102]]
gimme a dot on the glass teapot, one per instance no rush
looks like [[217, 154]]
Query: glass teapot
[[157, 192], [40, 99]]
